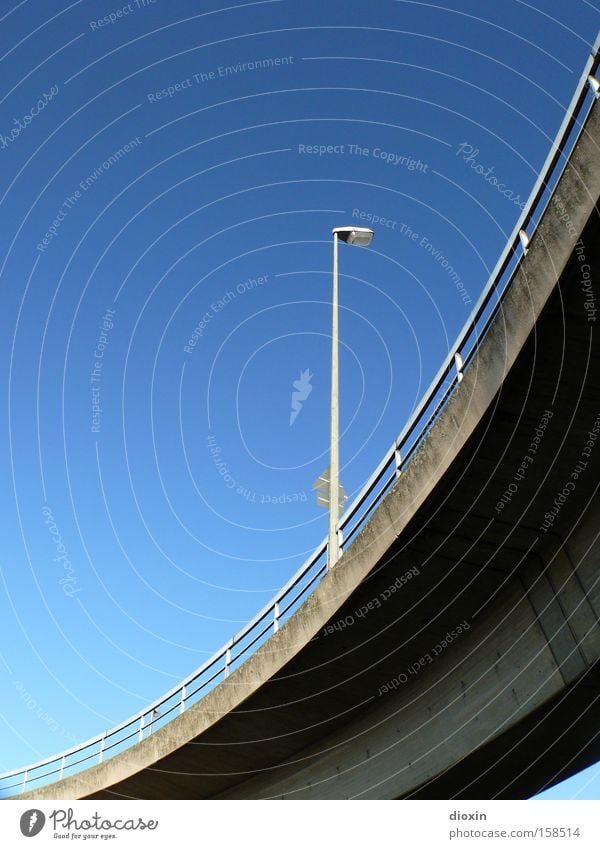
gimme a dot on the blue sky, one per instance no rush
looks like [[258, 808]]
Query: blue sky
[[171, 174]]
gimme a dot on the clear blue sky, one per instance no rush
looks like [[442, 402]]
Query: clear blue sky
[[170, 176]]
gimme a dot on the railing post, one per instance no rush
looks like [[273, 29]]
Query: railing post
[[141, 731], [228, 658], [182, 702], [524, 240], [459, 366], [340, 539], [24, 782], [62, 767], [397, 459], [101, 752], [276, 617]]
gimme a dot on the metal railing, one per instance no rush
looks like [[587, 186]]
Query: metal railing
[[276, 611]]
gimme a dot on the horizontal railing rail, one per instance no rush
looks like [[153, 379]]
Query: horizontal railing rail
[[270, 617]]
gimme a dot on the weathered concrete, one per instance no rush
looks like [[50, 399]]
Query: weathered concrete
[[495, 683], [307, 715]]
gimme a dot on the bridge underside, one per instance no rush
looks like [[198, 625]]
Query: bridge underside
[[504, 552]]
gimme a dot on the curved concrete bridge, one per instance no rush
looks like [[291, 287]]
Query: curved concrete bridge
[[454, 651]]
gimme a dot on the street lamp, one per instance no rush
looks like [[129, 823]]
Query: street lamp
[[329, 482]]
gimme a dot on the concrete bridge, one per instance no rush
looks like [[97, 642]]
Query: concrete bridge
[[454, 651]]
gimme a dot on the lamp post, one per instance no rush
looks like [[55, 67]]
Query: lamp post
[[352, 236]]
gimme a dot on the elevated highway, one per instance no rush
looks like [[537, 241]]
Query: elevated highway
[[454, 651]]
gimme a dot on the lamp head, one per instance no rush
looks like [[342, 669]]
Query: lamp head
[[361, 236]]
